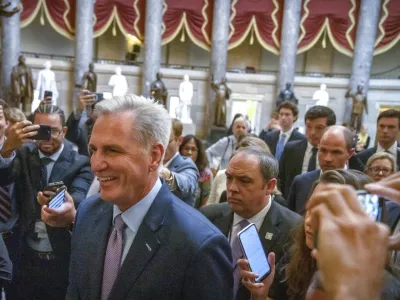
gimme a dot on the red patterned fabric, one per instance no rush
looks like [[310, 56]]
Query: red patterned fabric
[[260, 19]]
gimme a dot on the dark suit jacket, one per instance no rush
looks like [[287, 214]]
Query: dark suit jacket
[[176, 254], [24, 171], [290, 164], [366, 154], [279, 221], [271, 138], [79, 135], [300, 190], [393, 214], [186, 176]]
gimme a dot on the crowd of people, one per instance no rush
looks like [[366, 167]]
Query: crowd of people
[[151, 214]]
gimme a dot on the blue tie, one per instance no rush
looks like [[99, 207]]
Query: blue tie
[[280, 146]]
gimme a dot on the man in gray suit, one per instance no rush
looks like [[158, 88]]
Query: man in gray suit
[[179, 172], [251, 178]]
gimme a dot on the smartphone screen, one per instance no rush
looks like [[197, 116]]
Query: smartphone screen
[[48, 94], [372, 204], [44, 133], [57, 200], [254, 252]]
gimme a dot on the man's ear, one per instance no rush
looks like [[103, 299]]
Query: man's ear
[[65, 128], [156, 156], [271, 185]]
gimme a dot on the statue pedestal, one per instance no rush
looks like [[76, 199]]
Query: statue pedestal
[[189, 128], [216, 134]]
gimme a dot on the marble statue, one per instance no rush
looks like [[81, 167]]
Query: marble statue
[[46, 81], [22, 85], [89, 79], [159, 91], [118, 83], [286, 95], [321, 96], [222, 93], [357, 110], [185, 100]]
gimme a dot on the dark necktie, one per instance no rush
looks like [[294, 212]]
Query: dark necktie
[[112, 261], [44, 161], [5, 204], [312, 163], [237, 253]]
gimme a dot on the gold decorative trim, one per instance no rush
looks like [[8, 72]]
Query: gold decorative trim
[[103, 29], [177, 30], [231, 19], [34, 14], [262, 42], [303, 19], [273, 16], [244, 35], [195, 40], [203, 28], [383, 19], [315, 40], [388, 46], [353, 23], [165, 7], [135, 24], [336, 45], [55, 26], [68, 7]]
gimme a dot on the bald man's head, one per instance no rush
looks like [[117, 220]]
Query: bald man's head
[[336, 148], [240, 127]]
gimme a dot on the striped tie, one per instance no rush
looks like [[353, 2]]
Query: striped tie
[[5, 204]]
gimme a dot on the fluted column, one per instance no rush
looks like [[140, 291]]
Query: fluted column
[[152, 44]]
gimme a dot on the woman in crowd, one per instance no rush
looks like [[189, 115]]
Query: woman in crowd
[[296, 269], [230, 130], [192, 147], [380, 165]]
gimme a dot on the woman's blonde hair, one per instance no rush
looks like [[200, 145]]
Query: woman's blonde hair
[[379, 156]]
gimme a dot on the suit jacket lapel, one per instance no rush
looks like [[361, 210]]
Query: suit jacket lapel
[[144, 246], [99, 239], [275, 139], [269, 232], [298, 163], [60, 166]]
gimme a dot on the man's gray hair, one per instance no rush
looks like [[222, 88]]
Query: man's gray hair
[[269, 166], [152, 123]]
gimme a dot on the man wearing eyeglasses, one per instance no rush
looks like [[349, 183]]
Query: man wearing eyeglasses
[[42, 260], [179, 172]]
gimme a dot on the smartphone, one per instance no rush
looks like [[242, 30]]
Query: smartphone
[[373, 205], [48, 94], [254, 252], [99, 97], [58, 199], [54, 186], [44, 133]]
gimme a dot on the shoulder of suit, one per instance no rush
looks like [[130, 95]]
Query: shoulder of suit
[[296, 143], [287, 214]]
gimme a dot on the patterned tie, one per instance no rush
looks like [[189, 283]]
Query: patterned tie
[[237, 253], [280, 146], [312, 163], [112, 261], [44, 161], [5, 204]]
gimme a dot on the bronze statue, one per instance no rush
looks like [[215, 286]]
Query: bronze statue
[[159, 91], [222, 93], [4, 13], [89, 80], [359, 104], [22, 85], [286, 95]]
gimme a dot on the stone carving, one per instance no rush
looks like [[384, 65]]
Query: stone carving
[[46, 81], [357, 110], [118, 83], [222, 93], [286, 95], [158, 90], [89, 79], [185, 97], [22, 85], [321, 96]]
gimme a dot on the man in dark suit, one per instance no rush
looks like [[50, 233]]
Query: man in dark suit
[[335, 149], [300, 157], [276, 140], [179, 172], [43, 251], [388, 129], [251, 178], [136, 240]]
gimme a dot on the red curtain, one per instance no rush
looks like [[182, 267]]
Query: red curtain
[[260, 19]]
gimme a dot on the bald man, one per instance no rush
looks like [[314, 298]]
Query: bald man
[[335, 149], [219, 153]]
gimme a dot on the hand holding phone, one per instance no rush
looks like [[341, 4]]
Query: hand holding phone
[[53, 186], [58, 198], [43, 133], [254, 252]]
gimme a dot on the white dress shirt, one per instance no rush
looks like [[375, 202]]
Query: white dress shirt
[[134, 216], [306, 160], [257, 219], [392, 149]]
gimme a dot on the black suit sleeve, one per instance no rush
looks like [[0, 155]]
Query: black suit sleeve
[[10, 173], [212, 263], [82, 181], [282, 168], [291, 199], [74, 133]]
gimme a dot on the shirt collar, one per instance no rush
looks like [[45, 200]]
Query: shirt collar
[[134, 216], [173, 157], [287, 133], [54, 156], [392, 149], [310, 147], [256, 219]]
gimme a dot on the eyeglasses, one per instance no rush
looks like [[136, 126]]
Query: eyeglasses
[[55, 133], [377, 170]]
